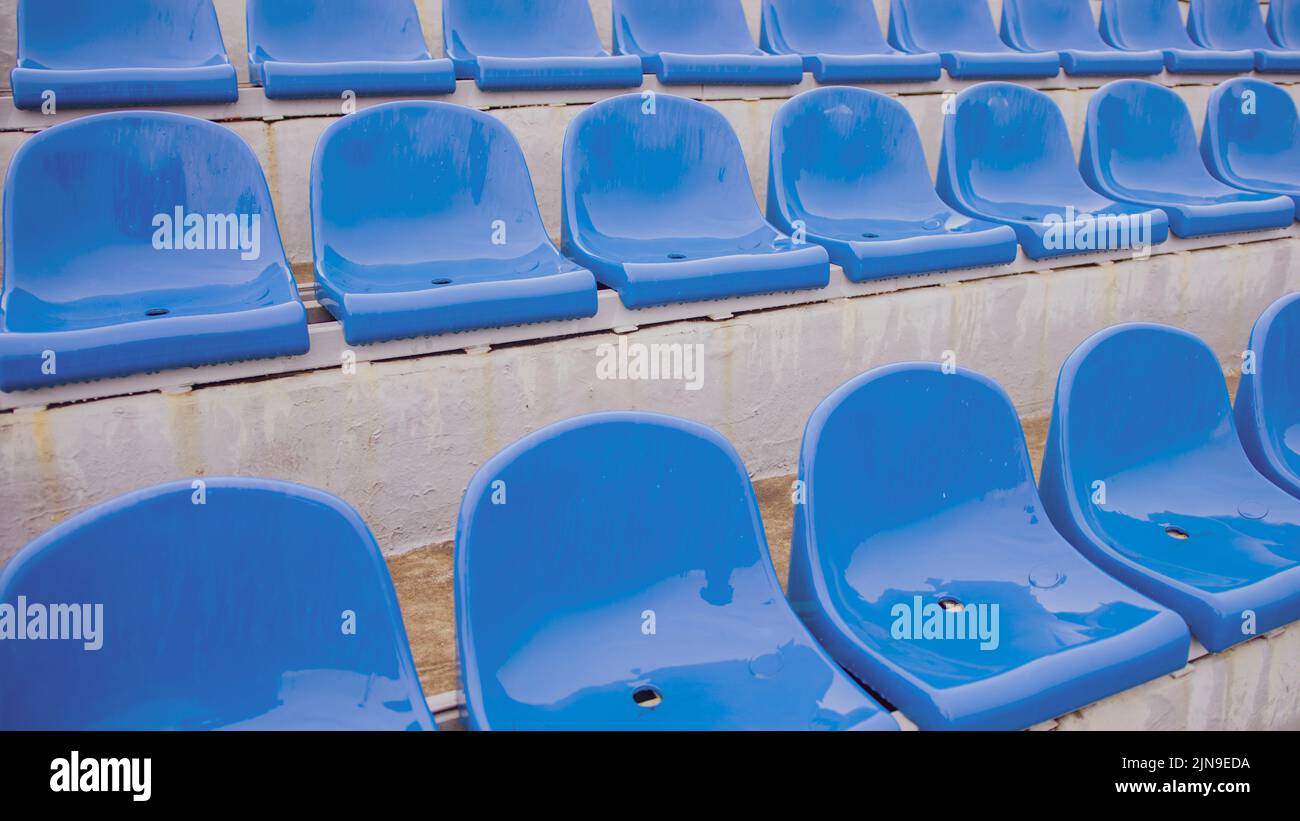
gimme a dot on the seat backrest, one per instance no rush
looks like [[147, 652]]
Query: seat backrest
[[683, 26], [317, 31], [942, 25], [519, 28], [1228, 24], [656, 166], [1133, 397], [1143, 24], [1003, 138], [458, 182], [1283, 23], [1251, 130], [908, 447], [90, 204], [1050, 25], [825, 27], [88, 34], [650, 510], [837, 151], [1138, 132], [1268, 396], [219, 602]]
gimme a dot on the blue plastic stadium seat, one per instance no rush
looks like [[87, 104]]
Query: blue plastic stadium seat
[[238, 604], [1144, 473], [93, 54], [658, 205], [138, 242], [840, 42], [530, 44], [1139, 146], [848, 165], [698, 41], [920, 499], [1067, 27], [963, 34], [1283, 23], [1251, 137], [634, 593], [441, 236], [1007, 157], [1268, 396], [1143, 25], [1238, 24], [324, 48]]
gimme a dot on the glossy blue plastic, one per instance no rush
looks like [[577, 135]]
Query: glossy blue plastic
[[237, 604], [527, 44], [659, 206], [1006, 157], [919, 491], [1268, 395], [1143, 25], [424, 222], [94, 54], [1139, 146], [324, 48], [612, 574], [1283, 23], [963, 34], [847, 164], [92, 285], [1238, 24], [840, 42], [1067, 27], [1143, 472], [698, 41], [1251, 137]]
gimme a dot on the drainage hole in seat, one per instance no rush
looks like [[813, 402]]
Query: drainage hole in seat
[[951, 605], [869, 235], [677, 256], [647, 697], [442, 282], [157, 312], [1177, 533]]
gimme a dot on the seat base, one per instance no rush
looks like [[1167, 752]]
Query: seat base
[[1043, 238], [1247, 213], [866, 68], [1275, 60], [527, 73], [478, 302], [646, 284], [370, 78], [970, 245], [962, 64], [1079, 63], [726, 69], [151, 345], [1208, 61], [113, 87]]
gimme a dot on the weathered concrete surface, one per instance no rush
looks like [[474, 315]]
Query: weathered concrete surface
[[1253, 686], [399, 440]]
